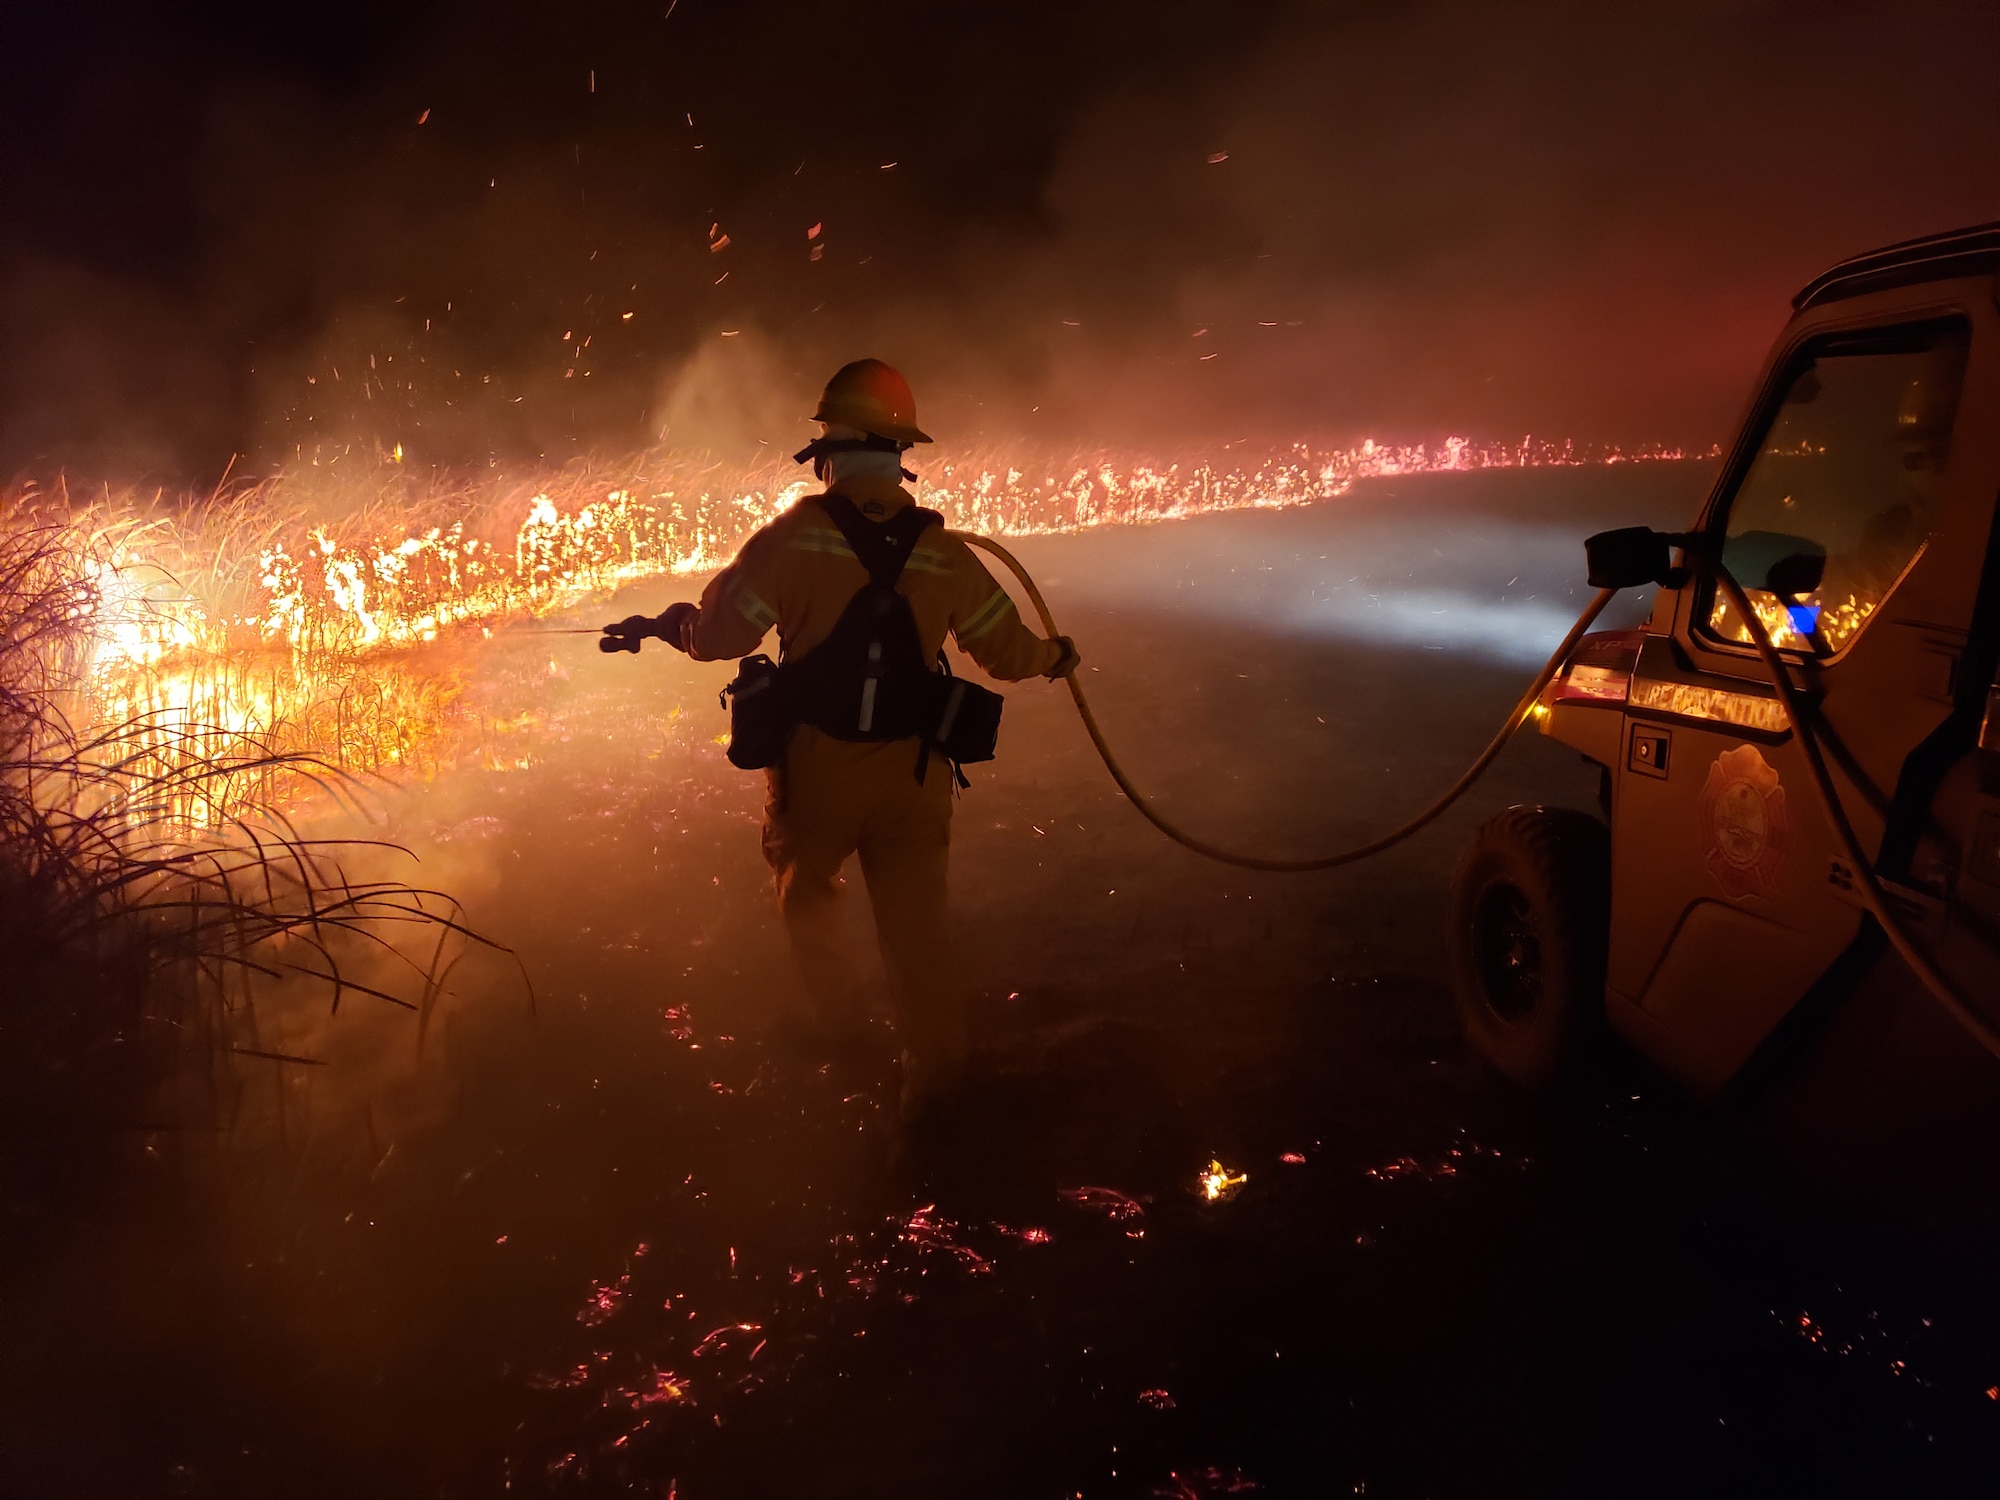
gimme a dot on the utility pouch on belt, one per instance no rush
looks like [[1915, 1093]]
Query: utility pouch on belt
[[760, 715], [964, 716]]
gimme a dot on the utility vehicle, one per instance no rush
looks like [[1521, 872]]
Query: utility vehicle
[[1712, 917]]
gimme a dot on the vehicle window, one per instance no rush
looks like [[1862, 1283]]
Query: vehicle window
[[1839, 500]]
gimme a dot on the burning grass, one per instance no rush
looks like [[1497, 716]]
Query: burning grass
[[294, 612], [150, 880]]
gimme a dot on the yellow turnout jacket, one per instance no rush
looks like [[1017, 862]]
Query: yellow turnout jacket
[[798, 573]]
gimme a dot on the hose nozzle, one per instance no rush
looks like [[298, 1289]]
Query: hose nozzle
[[671, 626], [629, 633]]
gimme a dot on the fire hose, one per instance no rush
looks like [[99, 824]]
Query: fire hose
[[1874, 899], [1515, 719]]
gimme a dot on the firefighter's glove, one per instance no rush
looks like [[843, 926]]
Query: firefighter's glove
[[673, 627], [1067, 662], [627, 634], [677, 624]]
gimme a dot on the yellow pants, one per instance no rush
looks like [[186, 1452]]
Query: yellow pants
[[833, 799]]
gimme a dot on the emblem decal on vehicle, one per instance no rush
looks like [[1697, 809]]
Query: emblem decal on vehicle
[[1743, 822]]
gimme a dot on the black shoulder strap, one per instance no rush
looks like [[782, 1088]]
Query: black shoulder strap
[[882, 546]]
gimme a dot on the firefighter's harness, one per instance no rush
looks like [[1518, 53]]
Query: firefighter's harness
[[868, 679]]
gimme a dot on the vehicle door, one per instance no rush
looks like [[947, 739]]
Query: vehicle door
[[1730, 901]]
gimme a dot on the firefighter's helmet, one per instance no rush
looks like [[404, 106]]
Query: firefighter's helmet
[[873, 397]]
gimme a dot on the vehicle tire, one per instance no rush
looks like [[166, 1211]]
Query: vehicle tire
[[1530, 921]]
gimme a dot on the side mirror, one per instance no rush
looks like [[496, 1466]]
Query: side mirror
[[1799, 574], [1785, 564], [1627, 557]]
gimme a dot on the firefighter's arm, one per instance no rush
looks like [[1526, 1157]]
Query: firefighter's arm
[[737, 608], [989, 628]]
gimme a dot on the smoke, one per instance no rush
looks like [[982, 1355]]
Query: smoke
[[93, 364], [496, 232], [734, 397], [1552, 216]]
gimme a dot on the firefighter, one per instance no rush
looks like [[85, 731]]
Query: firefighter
[[834, 795]]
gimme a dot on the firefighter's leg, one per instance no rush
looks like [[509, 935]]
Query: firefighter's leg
[[810, 827], [904, 851]]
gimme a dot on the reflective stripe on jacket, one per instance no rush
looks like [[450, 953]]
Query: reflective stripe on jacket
[[798, 574]]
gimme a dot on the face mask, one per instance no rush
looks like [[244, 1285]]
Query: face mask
[[822, 451]]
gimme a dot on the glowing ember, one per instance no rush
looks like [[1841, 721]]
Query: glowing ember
[[603, 1301], [724, 1337], [1210, 1481], [928, 1234], [1113, 1204], [1446, 1164], [1409, 1166], [1028, 1236], [575, 1376], [1218, 1182], [658, 1388]]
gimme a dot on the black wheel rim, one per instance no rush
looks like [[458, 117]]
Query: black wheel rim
[[1507, 949]]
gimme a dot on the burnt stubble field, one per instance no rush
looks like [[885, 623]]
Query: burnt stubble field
[[614, 1232]]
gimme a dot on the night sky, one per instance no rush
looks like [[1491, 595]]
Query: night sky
[[1069, 220]]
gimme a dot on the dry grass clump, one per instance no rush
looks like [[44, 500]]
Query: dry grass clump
[[150, 879]]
